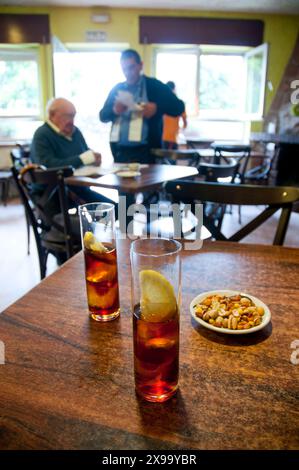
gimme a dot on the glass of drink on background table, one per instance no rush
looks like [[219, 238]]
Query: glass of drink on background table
[[97, 223], [156, 294]]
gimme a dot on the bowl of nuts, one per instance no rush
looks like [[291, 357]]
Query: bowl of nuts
[[230, 311]]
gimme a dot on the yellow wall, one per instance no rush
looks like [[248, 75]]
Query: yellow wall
[[70, 24]]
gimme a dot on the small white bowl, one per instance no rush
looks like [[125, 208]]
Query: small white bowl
[[265, 320]]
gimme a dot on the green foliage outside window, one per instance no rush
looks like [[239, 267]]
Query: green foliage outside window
[[221, 83], [19, 88]]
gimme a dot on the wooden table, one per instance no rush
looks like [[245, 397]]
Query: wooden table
[[152, 177], [68, 381]]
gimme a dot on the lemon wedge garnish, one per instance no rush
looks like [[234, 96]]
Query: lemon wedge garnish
[[91, 243], [158, 301]]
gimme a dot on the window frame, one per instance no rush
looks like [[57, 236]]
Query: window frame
[[264, 48], [30, 52]]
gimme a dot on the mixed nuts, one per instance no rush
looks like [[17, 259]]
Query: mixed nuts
[[233, 312]]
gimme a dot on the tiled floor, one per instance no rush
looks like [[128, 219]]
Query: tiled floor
[[20, 272]]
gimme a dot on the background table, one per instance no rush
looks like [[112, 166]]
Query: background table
[[151, 178], [275, 138], [68, 381]]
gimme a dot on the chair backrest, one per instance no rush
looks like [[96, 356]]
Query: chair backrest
[[274, 197], [171, 157], [52, 180], [260, 172], [239, 152], [212, 171], [231, 148], [198, 143], [20, 156]]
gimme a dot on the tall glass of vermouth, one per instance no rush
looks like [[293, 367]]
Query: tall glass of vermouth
[[156, 295], [97, 221]]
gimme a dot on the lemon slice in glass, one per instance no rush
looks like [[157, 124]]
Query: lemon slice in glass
[[158, 301], [91, 243]]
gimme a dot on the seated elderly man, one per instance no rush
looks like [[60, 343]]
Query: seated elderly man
[[57, 143]]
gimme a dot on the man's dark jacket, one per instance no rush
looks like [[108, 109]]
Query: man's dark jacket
[[157, 92]]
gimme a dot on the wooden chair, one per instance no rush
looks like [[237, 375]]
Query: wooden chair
[[53, 233], [241, 153], [212, 172], [274, 197], [20, 157], [6, 177], [208, 172]]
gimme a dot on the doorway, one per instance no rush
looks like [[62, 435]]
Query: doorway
[[85, 78]]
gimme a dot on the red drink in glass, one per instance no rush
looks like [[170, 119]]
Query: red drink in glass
[[156, 357], [102, 283]]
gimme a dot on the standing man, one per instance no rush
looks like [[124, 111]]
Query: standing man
[[135, 108]]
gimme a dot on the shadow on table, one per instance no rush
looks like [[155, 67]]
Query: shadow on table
[[104, 338], [234, 340], [152, 416]]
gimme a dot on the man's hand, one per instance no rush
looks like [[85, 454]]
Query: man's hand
[[97, 158], [149, 110], [119, 108]]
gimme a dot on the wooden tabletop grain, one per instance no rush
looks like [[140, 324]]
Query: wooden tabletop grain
[[151, 177], [67, 381]]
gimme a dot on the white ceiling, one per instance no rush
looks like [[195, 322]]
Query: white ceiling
[[265, 6]]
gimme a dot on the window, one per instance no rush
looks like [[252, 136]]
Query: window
[[20, 98], [223, 87], [180, 66], [19, 82]]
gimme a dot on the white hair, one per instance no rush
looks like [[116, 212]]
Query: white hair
[[54, 104], [49, 107]]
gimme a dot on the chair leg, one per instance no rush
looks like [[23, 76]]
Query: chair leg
[[220, 220], [282, 226], [5, 191], [229, 209], [239, 211], [28, 233], [42, 258], [44, 268]]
